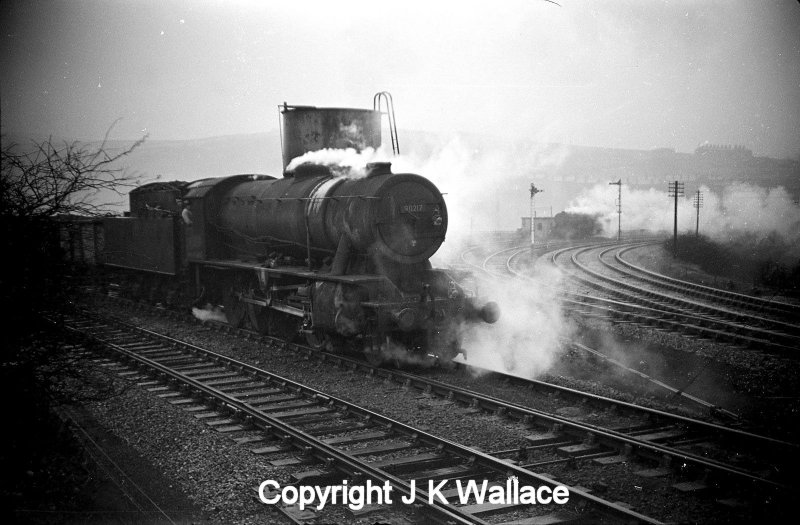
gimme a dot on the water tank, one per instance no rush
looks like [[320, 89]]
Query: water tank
[[308, 128]]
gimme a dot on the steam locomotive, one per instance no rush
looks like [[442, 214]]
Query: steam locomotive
[[340, 260]]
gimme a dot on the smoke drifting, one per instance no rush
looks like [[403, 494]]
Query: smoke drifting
[[485, 184], [209, 313], [525, 340], [474, 179], [738, 209], [347, 163]]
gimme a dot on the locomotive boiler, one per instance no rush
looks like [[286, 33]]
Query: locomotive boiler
[[341, 259]]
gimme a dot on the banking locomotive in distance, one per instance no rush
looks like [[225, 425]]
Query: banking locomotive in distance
[[341, 260]]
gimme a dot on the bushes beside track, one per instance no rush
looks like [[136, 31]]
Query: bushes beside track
[[765, 261]]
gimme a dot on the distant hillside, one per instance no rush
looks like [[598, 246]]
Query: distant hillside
[[191, 159], [506, 167], [209, 157]]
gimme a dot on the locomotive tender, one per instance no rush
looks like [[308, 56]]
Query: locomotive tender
[[342, 260]]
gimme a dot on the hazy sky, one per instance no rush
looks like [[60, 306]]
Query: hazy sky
[[628, 74]]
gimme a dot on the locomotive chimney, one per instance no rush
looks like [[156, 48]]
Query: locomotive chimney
[[308, 128], [379, 168]]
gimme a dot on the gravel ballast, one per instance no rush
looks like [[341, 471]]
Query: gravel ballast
[[199, 458]]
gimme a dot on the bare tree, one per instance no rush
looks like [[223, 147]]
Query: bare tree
[[37, 182], [47, 179]]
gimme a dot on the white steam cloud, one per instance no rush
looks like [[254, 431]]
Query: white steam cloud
[[739, 208], [482, 185], [525, 340], [485, 187], [347, 163], [209, 313], [475, 181]]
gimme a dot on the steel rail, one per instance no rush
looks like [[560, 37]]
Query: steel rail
[[324, 452], [664, 312], [493, 404], [656, 450], [613, 438], [713, 410], [616, 309], [472, 456], [726, 295], [755, 439], [706, 309]]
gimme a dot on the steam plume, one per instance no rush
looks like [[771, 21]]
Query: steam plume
[[738, 208], [474, 178], [209, 313], [347, 163], [525, 340]]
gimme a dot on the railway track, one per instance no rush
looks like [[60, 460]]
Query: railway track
[[637, 298], [627, 428], [331, 436], [489, 257], [503, 262], [759, 305], [703, 456]]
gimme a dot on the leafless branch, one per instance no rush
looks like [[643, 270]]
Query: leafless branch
[[48, 179]]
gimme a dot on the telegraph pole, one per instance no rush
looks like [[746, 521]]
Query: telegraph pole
[[698, 203], [675, 190], [619, 209], [534, 191]]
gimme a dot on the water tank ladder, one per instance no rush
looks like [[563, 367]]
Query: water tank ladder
[[386, 97]]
